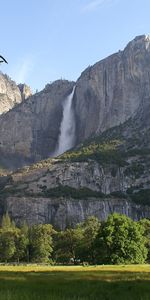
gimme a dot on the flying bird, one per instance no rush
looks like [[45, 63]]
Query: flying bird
[[3, 60]]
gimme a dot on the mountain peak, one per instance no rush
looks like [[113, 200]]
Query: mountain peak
[[143, 37], [140, 41]]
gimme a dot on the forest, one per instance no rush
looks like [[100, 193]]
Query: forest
[[118, 240]]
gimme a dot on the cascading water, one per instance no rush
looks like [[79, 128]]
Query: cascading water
[[66, 138]]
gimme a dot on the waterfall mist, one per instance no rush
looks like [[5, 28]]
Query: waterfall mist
[[66, 138]]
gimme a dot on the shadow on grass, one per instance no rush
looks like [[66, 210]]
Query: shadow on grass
[[90, 285]]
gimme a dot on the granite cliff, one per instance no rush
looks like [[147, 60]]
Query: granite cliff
[[11, 94], [108, 169], [106, 95], [108, 173], [111, 91], [29, 132], [65, 191]]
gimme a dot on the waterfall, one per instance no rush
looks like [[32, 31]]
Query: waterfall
[[66, 137]]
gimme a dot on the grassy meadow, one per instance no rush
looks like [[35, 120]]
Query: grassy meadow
[[75, 282]]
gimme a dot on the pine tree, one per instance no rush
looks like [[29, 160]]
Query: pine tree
[[7, 238], [41, 245], [22, 243]]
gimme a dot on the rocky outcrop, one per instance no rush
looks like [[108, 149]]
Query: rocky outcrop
[[111, 91], [91, 175], [10, 94], [29, 132], [25, 91]]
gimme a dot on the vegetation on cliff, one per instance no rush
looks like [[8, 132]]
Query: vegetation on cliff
[[104, 153]]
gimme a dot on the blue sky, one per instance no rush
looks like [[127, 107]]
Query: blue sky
[[45, 40]]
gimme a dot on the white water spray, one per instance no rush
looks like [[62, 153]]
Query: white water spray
[[66, 138]]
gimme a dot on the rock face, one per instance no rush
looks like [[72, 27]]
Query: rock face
[[111, 91], [65, 193], [91, 175], [29, 132], [63, 212], [107, 173], [106, 95], [9, 94], [25, 91]]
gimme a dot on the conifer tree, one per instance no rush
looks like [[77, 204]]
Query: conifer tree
[[41, 245]]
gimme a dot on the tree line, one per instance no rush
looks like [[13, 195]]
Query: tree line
[[118, 240]]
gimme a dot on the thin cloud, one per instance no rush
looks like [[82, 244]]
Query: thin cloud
[[22, 70], [93, 5]]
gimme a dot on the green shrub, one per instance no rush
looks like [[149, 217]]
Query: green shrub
[[66, 191], [141, 197], [135, 169], [104, 153]]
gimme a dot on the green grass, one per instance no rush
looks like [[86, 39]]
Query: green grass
[[70, 283]]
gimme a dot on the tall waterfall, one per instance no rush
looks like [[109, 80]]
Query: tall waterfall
[[66, 138]]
